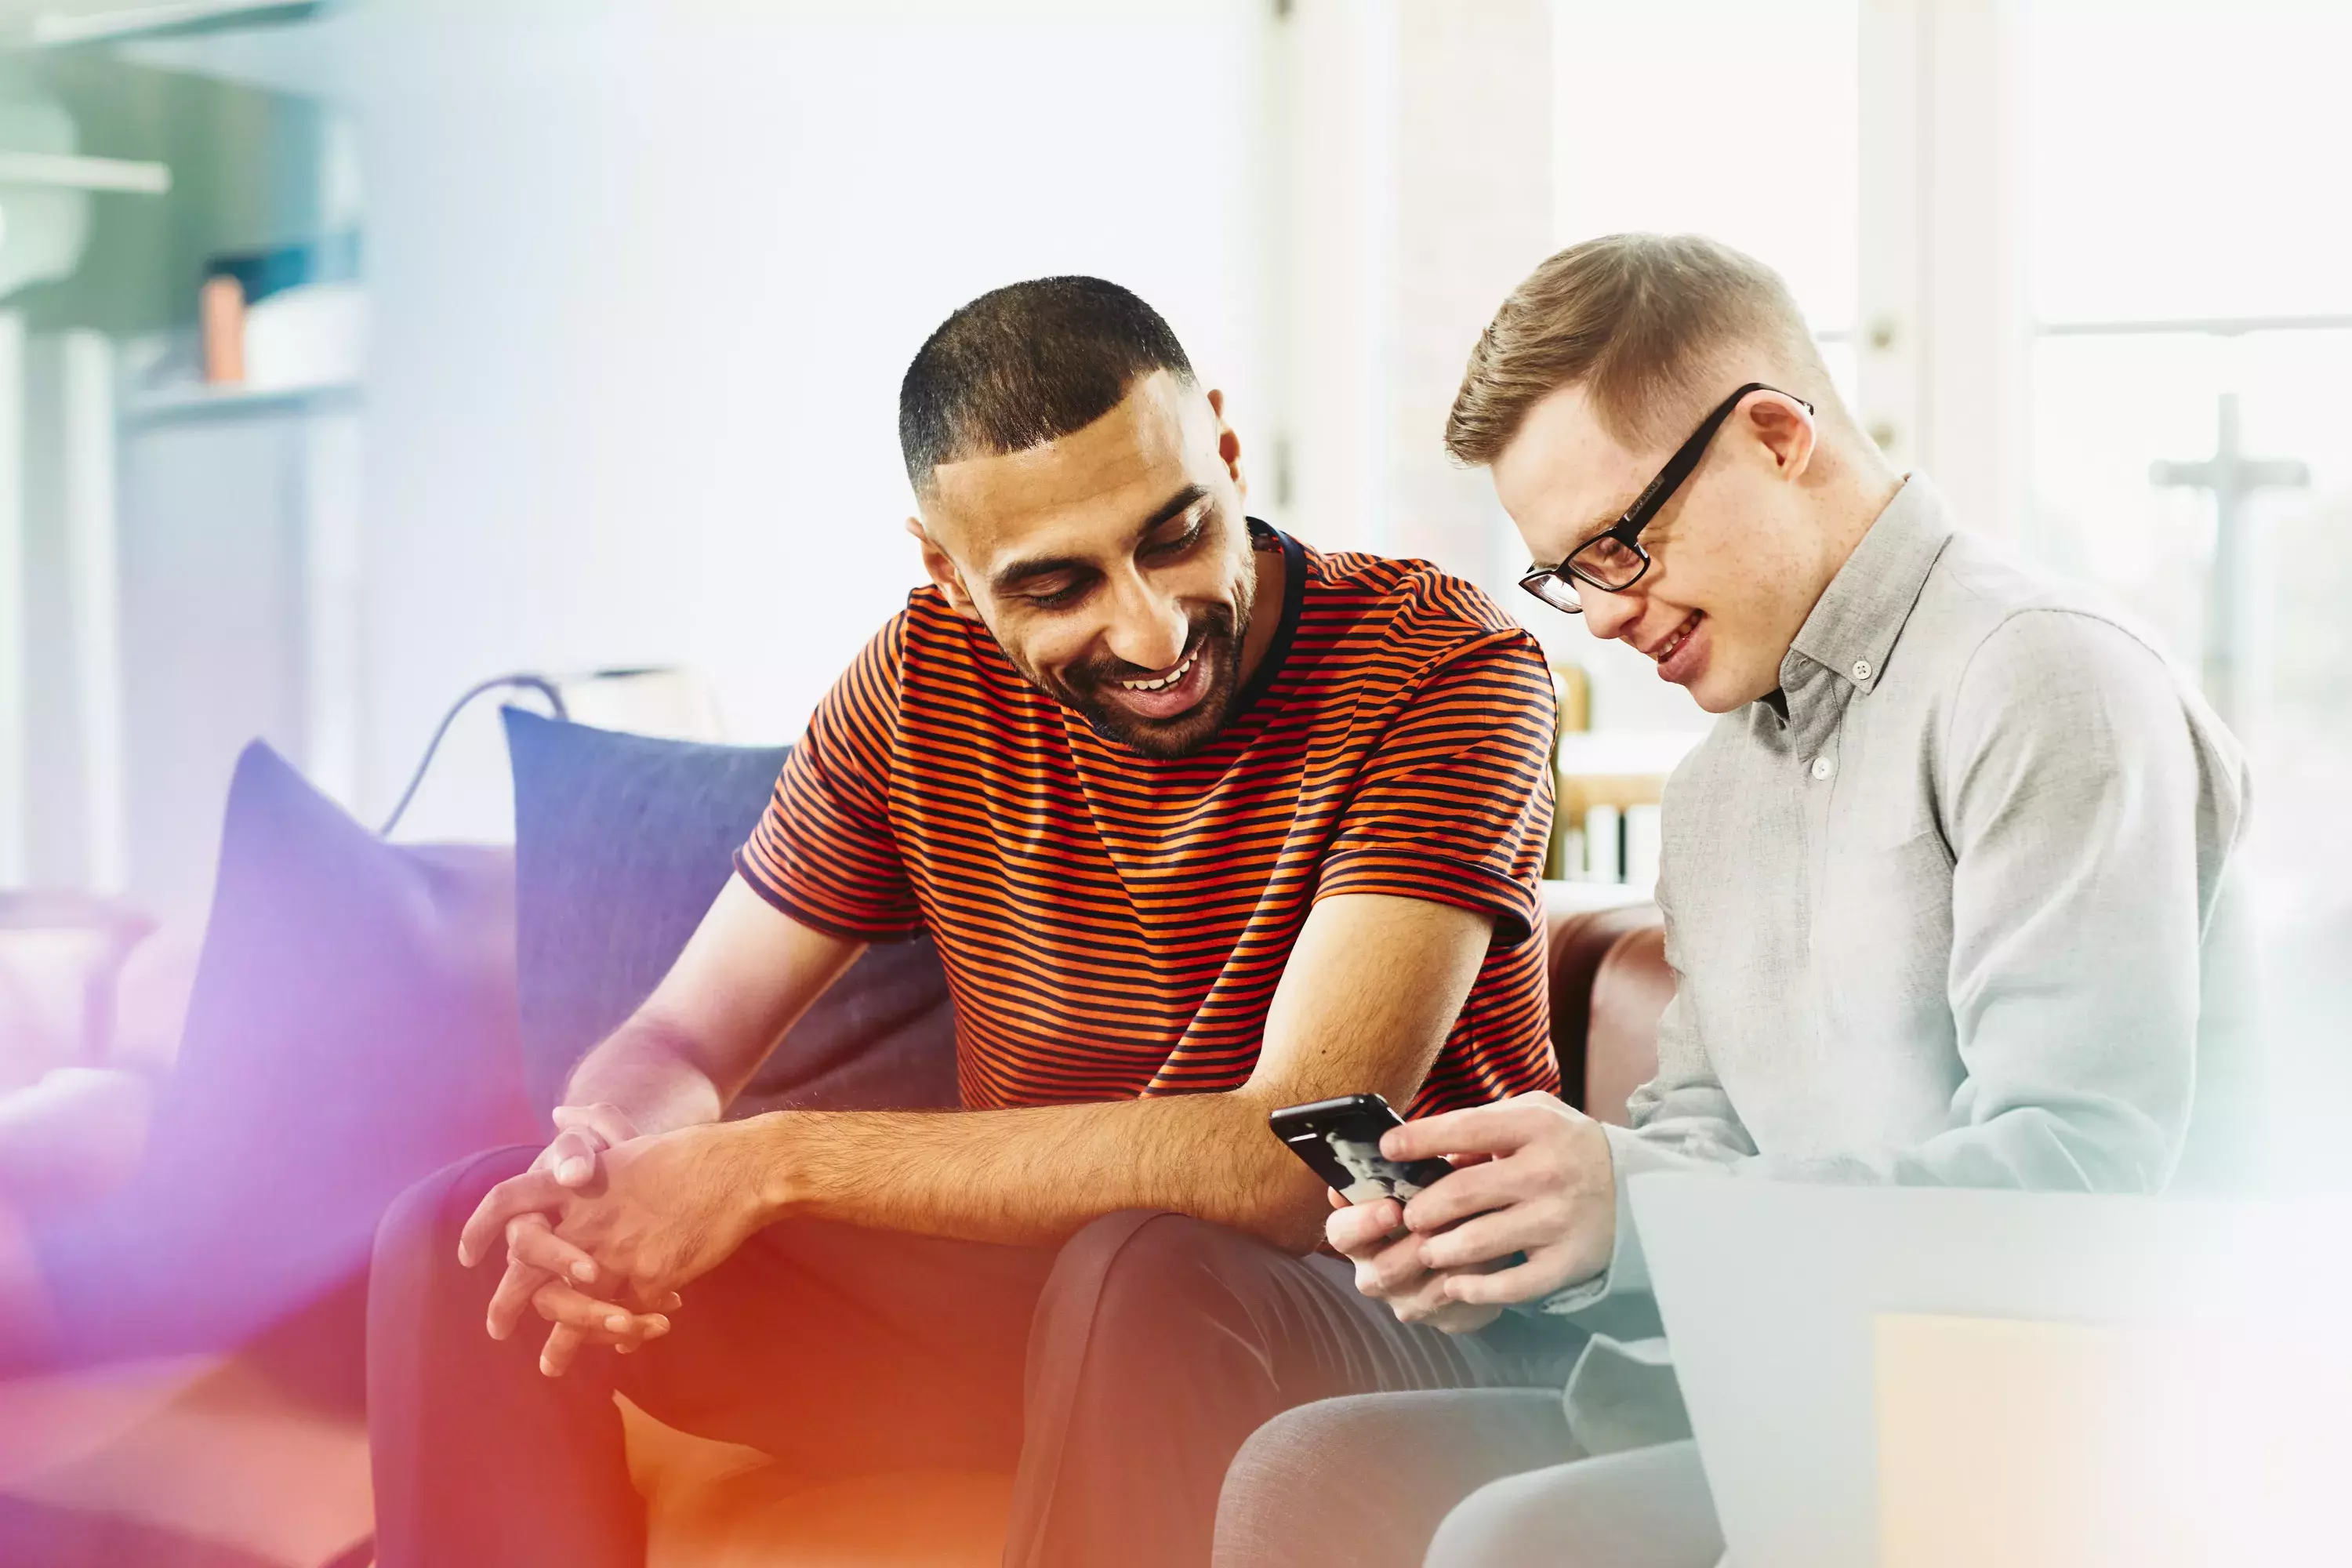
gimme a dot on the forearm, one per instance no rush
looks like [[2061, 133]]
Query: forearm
[[650, 1070], [1032, 1177]]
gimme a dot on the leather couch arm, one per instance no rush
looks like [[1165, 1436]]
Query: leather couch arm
[[1609, 983]]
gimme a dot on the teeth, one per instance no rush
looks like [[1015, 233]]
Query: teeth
[[1681, 637], [1171, 678]]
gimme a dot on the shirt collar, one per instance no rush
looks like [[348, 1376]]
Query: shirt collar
[[1854, 624]]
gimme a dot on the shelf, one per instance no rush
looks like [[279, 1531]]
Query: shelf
[[195, 404], [79, 173], [1626, 752], [109, 21]]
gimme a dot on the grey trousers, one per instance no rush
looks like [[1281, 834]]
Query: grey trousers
[[1467, 1479]]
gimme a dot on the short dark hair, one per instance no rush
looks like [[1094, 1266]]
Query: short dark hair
[[1025, 365]]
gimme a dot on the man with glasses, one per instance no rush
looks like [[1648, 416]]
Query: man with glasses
[[1935, 888]]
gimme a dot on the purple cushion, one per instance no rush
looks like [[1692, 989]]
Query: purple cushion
[[351, 1030]]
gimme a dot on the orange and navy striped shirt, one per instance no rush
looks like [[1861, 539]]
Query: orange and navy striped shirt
[[1114, 925]]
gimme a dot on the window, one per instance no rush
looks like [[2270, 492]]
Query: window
[[1652, 105], [2182, 250]]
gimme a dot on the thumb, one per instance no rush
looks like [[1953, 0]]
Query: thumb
[[608, 1123], [571, 1157]]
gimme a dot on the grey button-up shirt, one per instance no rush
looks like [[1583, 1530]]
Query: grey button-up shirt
[[1935, 916]]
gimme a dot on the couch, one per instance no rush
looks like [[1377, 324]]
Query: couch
[[257, 1455]]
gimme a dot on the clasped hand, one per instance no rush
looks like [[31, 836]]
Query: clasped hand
[[1533, 1182], [604, 1227]]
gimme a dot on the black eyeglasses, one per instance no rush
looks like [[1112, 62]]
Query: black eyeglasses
[[1615, 560]]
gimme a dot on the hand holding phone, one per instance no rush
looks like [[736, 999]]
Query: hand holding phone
[[1340, 1140]]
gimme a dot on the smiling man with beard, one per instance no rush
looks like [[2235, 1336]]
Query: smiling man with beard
[[1204, 822]]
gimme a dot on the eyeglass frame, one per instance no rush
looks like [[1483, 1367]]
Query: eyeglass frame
[[1538, 580]]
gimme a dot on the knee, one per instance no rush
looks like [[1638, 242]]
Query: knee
[[417, 1236], [1133, 1266], [1506, 1523], [1280, 1484], [1644, 1507], [1142, 1288]]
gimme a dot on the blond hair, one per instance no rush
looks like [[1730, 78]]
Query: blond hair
[[1648, 325]]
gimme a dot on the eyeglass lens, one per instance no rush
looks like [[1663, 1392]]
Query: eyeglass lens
[[1609, 562]]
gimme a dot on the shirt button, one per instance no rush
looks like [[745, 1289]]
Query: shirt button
[[1861, 671], [1823, 767]]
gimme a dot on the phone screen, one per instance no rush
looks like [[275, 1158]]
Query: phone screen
[[1340, 1140]]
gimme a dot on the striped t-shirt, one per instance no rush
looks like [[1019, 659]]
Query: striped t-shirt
[[1114, 925]]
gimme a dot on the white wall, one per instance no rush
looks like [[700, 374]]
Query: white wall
[[645, 275]]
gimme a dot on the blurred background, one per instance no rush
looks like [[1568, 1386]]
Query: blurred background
[[356, 352], [353, 352]]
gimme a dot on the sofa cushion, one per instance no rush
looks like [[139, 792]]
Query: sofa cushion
[[621, 843], [351, 1031]]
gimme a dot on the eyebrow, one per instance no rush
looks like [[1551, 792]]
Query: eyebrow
[[1021, 573], [1590, 532]]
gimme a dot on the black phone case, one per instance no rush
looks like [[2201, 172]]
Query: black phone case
[[1339, 1140]]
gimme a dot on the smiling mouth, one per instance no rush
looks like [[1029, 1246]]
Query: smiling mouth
[[1161, 683], [1676, 639]]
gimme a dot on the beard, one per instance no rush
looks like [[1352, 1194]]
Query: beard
[[1215, 638]]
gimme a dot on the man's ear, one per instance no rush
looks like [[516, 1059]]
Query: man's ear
[[942, 572], [1785, 429], [1229, 446]]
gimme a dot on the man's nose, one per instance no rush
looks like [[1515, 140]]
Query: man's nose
[[1607, 614], [1147, 629]]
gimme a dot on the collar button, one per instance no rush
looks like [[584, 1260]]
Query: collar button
[[1861, 671]]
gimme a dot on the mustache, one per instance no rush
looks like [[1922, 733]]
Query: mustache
[[1213, 626]]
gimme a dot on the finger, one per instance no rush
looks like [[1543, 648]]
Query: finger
[[517, 1286], [570, 1156], [533, 1192], [1360, 1228], [608, 1123], [1426, 1302], [598, 1322], [1498, 1129], [1338, 1199], [1370, 1283], [1492, 1238], [562, 1345], [1390, 1272], [1543, 1273], [1473, 1190], [1398, 1267], [530, 1240], [1460, 1319]]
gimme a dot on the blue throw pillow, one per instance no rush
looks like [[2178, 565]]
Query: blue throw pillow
[[351, 1030], [621, 843]]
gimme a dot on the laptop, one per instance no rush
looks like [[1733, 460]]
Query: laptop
[[1788, 1306]]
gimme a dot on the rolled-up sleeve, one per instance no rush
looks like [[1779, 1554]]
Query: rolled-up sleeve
[[824, 852], [1455, 804]]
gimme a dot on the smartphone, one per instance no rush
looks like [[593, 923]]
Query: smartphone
[[1341, 1141]]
